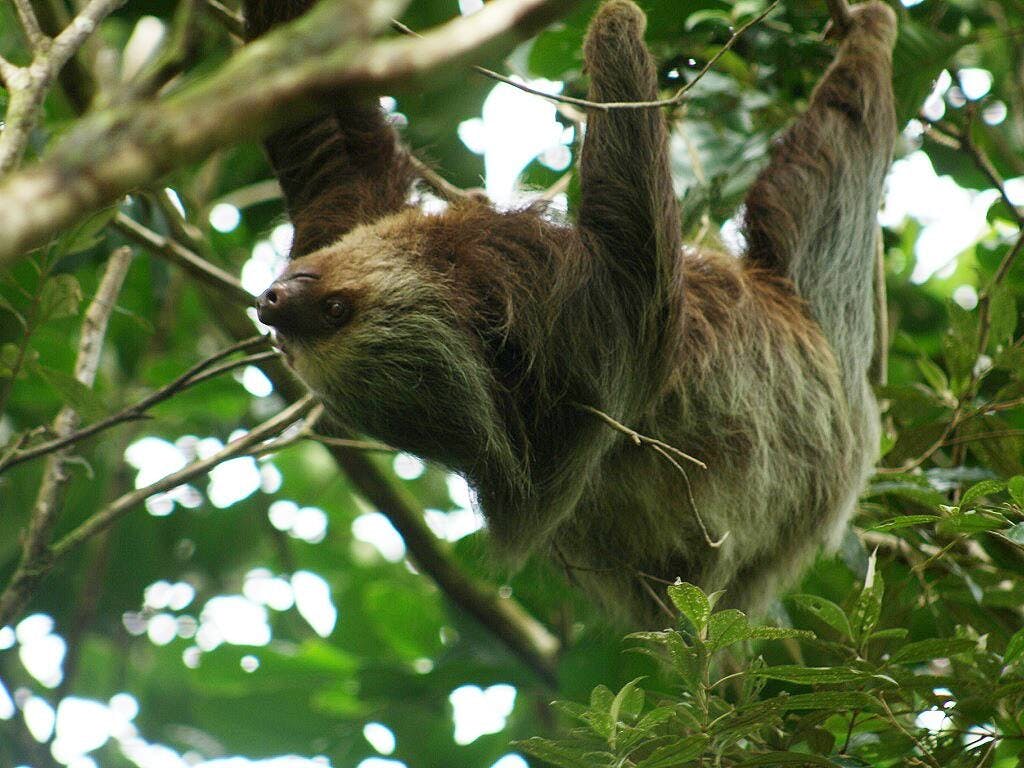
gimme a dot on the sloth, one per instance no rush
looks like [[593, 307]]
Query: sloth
[[497, 341]]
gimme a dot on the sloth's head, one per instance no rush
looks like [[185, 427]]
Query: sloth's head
[[372, 331]]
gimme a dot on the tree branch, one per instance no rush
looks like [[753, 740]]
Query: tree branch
[[196, 374], [30, 25], [23, 584], [270, 83], [27, 86], [191, 262], [248, 443]]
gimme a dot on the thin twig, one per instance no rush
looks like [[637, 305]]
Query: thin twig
[[356, 445], [234, 23], [607, 106], [561, 185], [669, 453], [711, 542], [198, 373], [247, 444], [635, 436], [917, 742], [444, 188], [190, 261], [656, 597]]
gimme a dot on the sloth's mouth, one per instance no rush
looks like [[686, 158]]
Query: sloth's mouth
[[281, 345]]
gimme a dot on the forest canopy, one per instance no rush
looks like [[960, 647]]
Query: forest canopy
[[194, 573]]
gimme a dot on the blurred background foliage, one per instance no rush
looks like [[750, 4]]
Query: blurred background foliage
[[269, 611]]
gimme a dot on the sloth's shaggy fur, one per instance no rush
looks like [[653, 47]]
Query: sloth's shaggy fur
[[472, 337]]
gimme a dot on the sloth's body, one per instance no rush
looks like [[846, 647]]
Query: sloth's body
[[475, 336]]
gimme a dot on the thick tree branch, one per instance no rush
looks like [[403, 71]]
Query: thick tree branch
[[30, 26], [270, 83]]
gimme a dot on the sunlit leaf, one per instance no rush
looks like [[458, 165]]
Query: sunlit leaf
[[672, 755], [926, 650], [1015, 648], [981, 490], [692, 603]]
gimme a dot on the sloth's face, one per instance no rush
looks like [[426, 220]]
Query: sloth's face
[[372, 332], [331, 302]]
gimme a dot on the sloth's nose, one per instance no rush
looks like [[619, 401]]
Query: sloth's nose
[[288, 304]]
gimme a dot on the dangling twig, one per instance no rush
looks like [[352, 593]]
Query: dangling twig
[[669, 453]]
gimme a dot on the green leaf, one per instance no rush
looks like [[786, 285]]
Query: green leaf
[[655, 717], [692, 603], [714, 15], [934, 375], [601, 698], [572, 709], [893, 633], [408, 618], [777, 633], [904, 521], [684, 658], [627, 704], [914, 491], [6, 305], [1002, 314], [792, 673], [786, 758], [827, 611], [1015, 648], [974, 521], [726, 627], [937, 648], [980, 490], [868, 607], [830, 700], [820, 741], [672, 755], [1015, 533], [960, 345], [60, 297], [87, 404], [88, 233], [556, 754], [921, 53], [1016, 489]]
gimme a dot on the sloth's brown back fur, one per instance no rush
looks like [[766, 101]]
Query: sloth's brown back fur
[[477, 334]]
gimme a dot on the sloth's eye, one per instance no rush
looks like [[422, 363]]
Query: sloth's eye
[[336, 310]]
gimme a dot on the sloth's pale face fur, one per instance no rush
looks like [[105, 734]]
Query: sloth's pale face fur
[[400, 358]]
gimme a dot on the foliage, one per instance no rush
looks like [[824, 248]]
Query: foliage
[[920, 611], [855, 703]]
